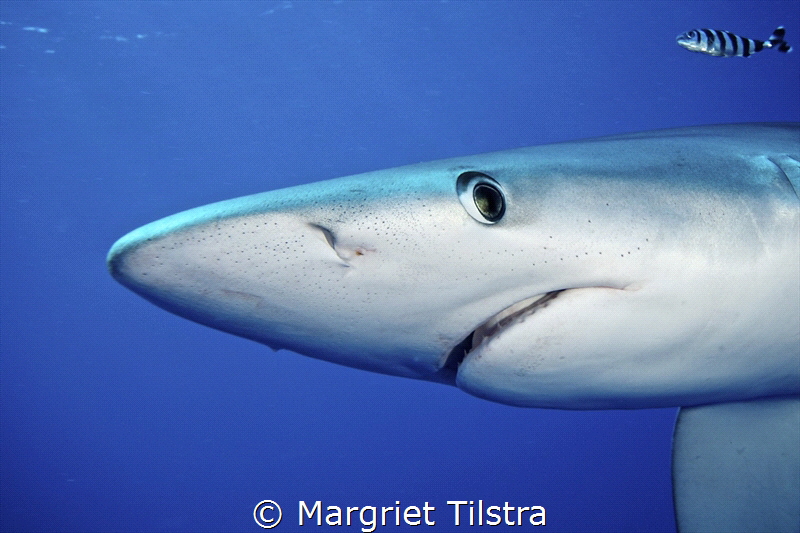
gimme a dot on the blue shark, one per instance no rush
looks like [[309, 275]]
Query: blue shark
[[643, 270]]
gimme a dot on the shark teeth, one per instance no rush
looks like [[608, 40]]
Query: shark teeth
[[509, 315], [495, 323]]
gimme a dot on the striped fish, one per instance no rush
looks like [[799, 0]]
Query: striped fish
[[727, 44]]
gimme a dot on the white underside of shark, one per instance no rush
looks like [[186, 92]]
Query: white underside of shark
[[646, 270]]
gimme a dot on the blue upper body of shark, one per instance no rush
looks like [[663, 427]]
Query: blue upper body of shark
[[643, 270]]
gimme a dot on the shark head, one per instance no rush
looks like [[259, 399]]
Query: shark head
[[633, 271]]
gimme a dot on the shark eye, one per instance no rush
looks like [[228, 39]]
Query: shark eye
[[481, 196]]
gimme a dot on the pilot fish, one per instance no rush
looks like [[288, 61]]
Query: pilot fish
[[726, 44]]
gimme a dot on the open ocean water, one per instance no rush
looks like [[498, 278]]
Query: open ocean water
[[117, 416]]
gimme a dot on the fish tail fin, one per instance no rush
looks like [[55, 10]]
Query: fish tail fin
[[776, 39]]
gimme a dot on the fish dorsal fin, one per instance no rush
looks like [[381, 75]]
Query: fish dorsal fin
[[736, 466]]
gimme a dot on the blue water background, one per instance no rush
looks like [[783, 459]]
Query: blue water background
[[117, 416]]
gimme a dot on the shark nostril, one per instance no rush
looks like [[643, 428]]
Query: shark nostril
[[343, 254], [329, 237]]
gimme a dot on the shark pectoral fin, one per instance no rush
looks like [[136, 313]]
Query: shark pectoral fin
[[736, 466]]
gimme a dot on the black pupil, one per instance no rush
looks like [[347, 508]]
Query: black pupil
[[489, 201]]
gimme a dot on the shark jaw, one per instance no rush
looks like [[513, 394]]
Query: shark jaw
[[495, 324]]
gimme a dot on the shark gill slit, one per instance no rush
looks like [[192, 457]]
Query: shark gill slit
[[793, 164]]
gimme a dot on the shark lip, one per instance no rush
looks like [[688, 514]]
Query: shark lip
[[497, 322]]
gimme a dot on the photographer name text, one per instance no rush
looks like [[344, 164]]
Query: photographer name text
[[459, 513]]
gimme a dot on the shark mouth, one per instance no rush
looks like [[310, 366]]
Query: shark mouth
[[514, 313]]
